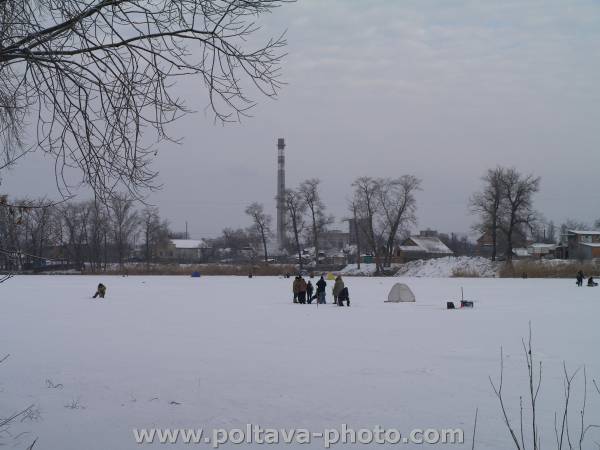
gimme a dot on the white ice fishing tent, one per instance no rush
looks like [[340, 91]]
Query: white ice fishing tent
[[401, 293]]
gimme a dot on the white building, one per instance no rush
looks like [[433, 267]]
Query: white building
[[185, 250]]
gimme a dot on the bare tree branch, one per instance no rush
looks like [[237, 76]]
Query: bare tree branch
[[95, 76]]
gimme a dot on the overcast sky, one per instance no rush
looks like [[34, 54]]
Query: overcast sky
[[439, 89]]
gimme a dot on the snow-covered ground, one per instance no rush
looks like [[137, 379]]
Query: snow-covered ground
[[231, 350], [438, 267], [366, 269], [449, 266]]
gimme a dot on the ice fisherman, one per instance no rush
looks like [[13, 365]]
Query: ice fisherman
[[580, 277], [101, 291], [321, 285], [309, 292], [591, 282], [296, 288], [301, 290], [337, 288], [343, 296]]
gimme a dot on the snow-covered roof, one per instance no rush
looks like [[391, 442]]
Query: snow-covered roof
[[591, 244], [589, 232], [520, 251], [427, 244], [543, 246], [188, 243]]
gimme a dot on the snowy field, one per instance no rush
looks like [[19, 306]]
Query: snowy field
[[221, 352]]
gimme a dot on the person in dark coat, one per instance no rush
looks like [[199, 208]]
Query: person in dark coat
[[580, 277], [296, 288], [321, 285], [101, 291], [309, 292], [337, 288], [591, 282], [301, 290], [344, 296]]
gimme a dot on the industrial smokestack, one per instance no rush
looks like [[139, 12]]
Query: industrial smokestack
[[281, 193]]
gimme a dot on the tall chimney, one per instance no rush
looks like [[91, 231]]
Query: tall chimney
[[281, 193]]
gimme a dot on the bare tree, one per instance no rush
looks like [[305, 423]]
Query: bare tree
[[296, 209], [155, 231], [517, 208], [262, 223], [233, 242], [124, 225], [366, 194], [98, 239], [309, 190], [41, 222], [75, 235], [398, 206], [487, 205], [93, 76]]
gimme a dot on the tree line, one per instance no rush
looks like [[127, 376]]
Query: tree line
[[381, 211], [79, 233]]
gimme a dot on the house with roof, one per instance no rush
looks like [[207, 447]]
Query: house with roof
[[582, 244], [426, 245], [185, 250], [485, 244], [541, 250]]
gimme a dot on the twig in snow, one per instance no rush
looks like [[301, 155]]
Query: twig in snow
[[474, 429]]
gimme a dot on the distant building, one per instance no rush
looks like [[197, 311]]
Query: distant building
[[582, 244], [363, 227], [521, 253], [333, 240], [539, 250], [485, 244], [424, 246], [184, 250]]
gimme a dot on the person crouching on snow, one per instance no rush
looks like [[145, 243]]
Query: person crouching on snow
[[343, 296], [591, 282], [101, 291]]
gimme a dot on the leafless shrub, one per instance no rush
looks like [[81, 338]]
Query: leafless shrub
[[530, 434], [30, 412], [5, 277], [33, 414], [474, 429], [74, 404], [51, 385]]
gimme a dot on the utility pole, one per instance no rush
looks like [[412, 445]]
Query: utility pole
[[281, 193]]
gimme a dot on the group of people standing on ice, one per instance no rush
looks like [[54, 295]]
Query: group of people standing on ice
[[580, 278], [304, 292]]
